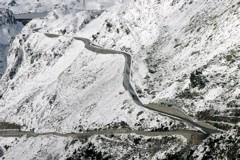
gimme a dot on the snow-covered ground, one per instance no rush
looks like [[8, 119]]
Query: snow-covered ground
[[58, 85], [121, 147], [95, 147], [26, 6], [185, 53]]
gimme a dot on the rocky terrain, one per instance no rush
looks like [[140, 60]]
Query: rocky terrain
[[185, 55], [8, 29]]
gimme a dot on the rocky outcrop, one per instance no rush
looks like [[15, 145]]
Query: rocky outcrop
[[8, 29]]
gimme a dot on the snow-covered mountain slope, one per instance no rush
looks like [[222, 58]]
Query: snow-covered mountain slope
[[121, 147], [95, 147], [8, 29], [58, 85], [26, 6], [224, 146], [186, 53]]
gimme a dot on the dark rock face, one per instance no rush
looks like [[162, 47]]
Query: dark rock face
[[113, 147], [197, 79], [223, 146], [6, 17], [12, 3], [7, 21], [1, 152]]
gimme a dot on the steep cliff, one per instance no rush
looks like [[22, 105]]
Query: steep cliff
[[8, 29]]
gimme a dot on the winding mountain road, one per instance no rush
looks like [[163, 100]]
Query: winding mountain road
[[166, 111], [193, 137]]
